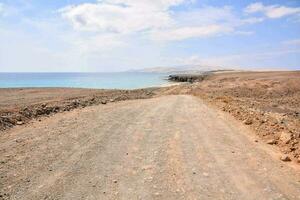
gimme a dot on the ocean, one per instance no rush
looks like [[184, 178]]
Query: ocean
[[122, 80]]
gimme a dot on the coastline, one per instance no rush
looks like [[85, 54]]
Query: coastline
[[101, 80], [266, 102]]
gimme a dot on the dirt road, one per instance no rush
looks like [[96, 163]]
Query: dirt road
[[172, 147]]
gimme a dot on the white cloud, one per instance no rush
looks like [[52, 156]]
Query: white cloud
[[120, 34], [272, 11], [190, 32], [254, 7], [118, 16], [249, 60], [146, 4], [154, 18], [205, 22], [205, 15], [295, 42]]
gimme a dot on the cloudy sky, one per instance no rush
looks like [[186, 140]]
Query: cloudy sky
[[116, 35]]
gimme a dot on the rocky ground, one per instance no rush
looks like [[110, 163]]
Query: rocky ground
[[19, 106], [268, 102], [172, 147], [175, 143]]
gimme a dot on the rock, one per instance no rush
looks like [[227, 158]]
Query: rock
[[263, 121], [44, 105], [75, 103], [248, 122], [112, 100], [285, 158], [20, 123], [103, 102], [272, 141], [115, 181], [285, 137], [293, 148], [255, 140]]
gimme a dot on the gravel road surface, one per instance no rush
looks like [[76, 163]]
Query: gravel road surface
[[171, 147]]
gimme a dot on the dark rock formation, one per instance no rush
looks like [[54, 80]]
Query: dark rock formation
[[187, 77]]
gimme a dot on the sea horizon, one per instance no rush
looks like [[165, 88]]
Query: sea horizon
[[90, 80]]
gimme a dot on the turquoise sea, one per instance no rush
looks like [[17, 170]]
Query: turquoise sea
[[124, 80]]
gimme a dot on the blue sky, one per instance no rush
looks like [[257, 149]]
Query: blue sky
[[116, 35]]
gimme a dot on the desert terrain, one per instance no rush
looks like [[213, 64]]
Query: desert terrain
[[19, 105], [267, 102], [229, 136]]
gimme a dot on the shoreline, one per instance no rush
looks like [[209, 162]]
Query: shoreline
[[108, 81], [266, 102]]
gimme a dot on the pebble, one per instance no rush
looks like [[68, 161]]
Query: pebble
[[285, 158], [248, 122], [20, 123], [148, 179], [272, 141], [115, 181]]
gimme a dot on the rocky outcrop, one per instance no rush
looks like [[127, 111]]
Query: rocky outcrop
[[187, 77]]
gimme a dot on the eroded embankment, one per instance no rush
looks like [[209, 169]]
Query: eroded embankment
[[19, 106]]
